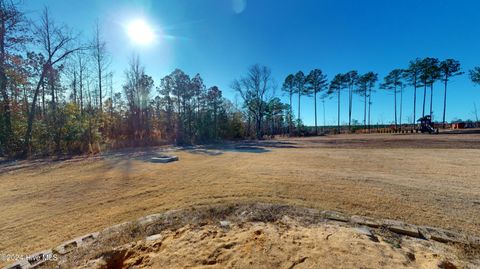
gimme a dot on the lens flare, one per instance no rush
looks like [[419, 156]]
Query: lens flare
[[140, 32], [239, 6]]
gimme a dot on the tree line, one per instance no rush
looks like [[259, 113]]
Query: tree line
[[419, 74], [58, 96]]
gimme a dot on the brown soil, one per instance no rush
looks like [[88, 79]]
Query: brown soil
[[420, 179]]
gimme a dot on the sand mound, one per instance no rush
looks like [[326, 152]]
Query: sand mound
[[258, 236], [283, 244]]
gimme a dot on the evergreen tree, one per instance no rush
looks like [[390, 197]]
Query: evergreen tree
[[316, 82]]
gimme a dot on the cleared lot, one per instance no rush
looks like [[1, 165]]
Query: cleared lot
[[428, 180]]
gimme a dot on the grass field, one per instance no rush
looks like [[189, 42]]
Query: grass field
[[421, 179]]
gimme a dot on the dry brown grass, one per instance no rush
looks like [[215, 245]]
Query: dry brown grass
[[428, 180]]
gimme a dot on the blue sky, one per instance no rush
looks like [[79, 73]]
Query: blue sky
[[220, 39]]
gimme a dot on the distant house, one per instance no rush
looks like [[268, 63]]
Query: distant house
[[462, 125], [458, 125]]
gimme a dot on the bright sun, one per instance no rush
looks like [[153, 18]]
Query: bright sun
[[140, 32]]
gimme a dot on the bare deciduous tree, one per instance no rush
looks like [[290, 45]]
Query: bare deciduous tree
[[101, 57], [256, 89], [56, 43]]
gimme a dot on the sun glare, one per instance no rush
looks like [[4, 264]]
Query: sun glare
[[140, 32]]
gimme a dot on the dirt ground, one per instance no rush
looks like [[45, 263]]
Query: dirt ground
[[283, 244], [420, 179]]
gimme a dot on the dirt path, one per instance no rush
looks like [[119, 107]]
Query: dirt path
[[435, 183]]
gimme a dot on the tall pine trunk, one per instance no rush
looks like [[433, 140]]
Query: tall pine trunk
[[445, 101], [431, 100], [365, 111], [324, 121], [290, 116], [315, 108], [299, 95], [369, 106], [349, 107], [401, 106], [414, 101], [338, 114], [424, 97], [395, 105]]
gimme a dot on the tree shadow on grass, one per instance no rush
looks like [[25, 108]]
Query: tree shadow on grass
[[247, 149], [205, 151], [271, 144], [115, 158]]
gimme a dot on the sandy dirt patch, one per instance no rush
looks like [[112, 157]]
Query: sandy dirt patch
[[261, 236]]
